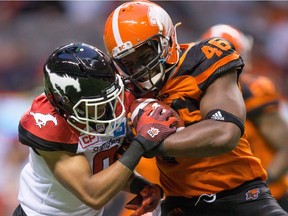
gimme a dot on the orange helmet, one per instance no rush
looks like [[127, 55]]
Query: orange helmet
[[137, 23], [241, 42], [133, 23]]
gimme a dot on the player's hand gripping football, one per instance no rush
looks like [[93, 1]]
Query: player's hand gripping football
[[146, 201], [130, 131], [153, 126]]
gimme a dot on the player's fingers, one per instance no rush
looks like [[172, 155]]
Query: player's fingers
[[140, 211], [131, 207], [146, 202]]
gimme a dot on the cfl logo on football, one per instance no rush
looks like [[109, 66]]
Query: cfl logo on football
[[153, 132]]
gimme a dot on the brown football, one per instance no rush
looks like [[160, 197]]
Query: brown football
[[147, 104]]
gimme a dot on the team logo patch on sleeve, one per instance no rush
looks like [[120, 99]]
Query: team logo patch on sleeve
[[42, 119]]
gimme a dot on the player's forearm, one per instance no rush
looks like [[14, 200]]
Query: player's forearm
[[274, 129], [204, 139], [111, 180], [135, 183], [278, 165], [102, 187]]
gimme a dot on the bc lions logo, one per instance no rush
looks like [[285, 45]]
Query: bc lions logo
[[42, 119], [153, 132], [252, 194]]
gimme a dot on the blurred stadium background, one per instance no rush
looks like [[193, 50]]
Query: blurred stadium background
[[30, 31]]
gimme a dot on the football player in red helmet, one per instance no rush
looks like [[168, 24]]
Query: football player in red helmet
[[208, 167], [266, 128], [75, 131]]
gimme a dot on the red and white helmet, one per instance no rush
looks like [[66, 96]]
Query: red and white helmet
[[137, 23]]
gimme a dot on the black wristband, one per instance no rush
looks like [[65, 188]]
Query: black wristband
[[132, 156], [158, 151], [137, 184], [147, 144]]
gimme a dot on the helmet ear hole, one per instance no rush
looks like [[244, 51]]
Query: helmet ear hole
[[65, 99], [165, 41], [170, 42], [81, 67]]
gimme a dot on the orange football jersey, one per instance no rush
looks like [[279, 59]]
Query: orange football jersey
[[200, 64], [260, 97]]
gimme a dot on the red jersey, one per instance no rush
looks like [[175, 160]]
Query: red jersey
[[42, 127], [200, 64]]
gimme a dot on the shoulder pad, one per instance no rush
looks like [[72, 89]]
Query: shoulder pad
[[44, 122]]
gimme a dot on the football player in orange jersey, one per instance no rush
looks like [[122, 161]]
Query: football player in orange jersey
[[208, 167], [266, 128]]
